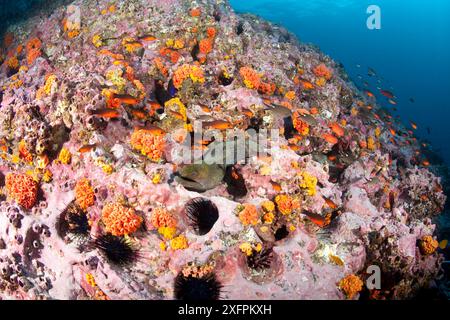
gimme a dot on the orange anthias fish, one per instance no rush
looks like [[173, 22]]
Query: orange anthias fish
[[426, 163], [139, 114], [87, 148], [337, 129], [414, 126], [392, 102], [443, 244], [152, 129], [176, 115], [370, 94], [276, 186], [307, 85], [330, 203], [147, 38], [387, 94], [392, 131], [317, 219], [127, 99], [330, 138], [107, 113], [218, 124]]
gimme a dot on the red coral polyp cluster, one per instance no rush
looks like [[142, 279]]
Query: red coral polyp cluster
[[120, 220], [33, 50], [84, 194], [149, 144], [323, 71], [22, 188]]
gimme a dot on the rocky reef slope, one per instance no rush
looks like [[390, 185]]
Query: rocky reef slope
[[98, 103]]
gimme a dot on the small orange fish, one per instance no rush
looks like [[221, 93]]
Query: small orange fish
[[314, 111], [330, 138], [127, 99], [336, 260], [414, 126], [176, 115], [330, 203], [443, 244], [247, 113], [426, 163], [392, 131], [294, 147], [370, 94], [276, 186], [87, 148], [307, 85], [138, 114], [219, 125], [107, 113], [337, 129], [392, 102], [147, 38], [205, 109], [332, 157], [152, 129], [317, 219]]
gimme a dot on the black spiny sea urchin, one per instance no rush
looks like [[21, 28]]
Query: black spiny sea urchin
[[73, 220], [261, 260], [202, 214], [117, 250], [197, 289]]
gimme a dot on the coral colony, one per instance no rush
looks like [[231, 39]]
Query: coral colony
[[101, 101]]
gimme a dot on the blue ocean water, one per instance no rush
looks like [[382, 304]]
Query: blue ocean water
[[411, 51]]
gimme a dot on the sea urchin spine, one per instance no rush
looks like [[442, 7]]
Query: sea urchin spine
[[192, 288], [117, 250], [202, 214]]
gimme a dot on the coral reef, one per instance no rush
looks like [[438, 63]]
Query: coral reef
[[99, 100]]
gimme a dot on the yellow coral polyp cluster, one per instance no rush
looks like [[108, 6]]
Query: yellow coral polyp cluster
[[22, 188], [176, 105], [120, 220], [149, 144], [248, 248], [428, 245], [351, 285], [251, 78], [65, 157], [115, 76], [248, 215], [286, 204], [186, 71], [84, 194], [308, 183], [179, 243]]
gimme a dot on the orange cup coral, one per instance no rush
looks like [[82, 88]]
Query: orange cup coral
[[162, 218], [120, 220], [149, 144], [301, 126], [322, 71], [252, 79], [428, 245], [351, 285], [285, 204], [249, 215], [185, 72], [22, 188], [33, 50], [84, 194]]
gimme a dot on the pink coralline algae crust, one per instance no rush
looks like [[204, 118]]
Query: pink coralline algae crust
[[95, 108]]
